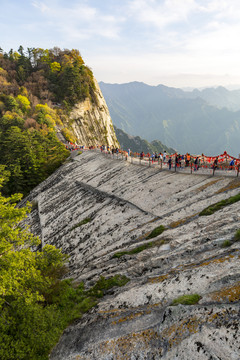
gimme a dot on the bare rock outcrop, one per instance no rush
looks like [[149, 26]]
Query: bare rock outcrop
[[91, 122], [125, 203]]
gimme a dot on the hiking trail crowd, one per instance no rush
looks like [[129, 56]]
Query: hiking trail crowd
[[174, 161]]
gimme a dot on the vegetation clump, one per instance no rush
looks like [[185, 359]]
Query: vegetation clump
[[155, 232], [100, 288], [190, 299], [226, 243], [219, 205], [237, 235], [235, 238], [83, 222], [133, 251], [139, 249]]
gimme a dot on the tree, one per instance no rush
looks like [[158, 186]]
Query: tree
[[55, 66], [28, 327], [23, 102]]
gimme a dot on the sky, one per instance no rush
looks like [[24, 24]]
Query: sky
[[178, 43]]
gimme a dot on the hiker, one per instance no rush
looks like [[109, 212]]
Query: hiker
[[187, 159], [164, 155], [231, 165], [180, 160], [170, 163], [196, 164], [176, 161], [215, 163]]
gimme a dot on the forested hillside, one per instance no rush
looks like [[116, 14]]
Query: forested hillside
[[137, 144], [38, 89]]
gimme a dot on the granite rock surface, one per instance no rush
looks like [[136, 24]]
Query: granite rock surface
[[91, 123], [125, 203]]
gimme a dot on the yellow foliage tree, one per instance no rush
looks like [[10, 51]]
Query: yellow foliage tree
[[55, 66], [24, 103]]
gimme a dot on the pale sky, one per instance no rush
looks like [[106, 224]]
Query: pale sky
[[178, 43]]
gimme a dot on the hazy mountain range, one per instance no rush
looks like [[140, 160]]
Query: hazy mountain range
[[206, 121]]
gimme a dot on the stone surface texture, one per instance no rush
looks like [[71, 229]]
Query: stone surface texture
[[125, 203], [92, 123]]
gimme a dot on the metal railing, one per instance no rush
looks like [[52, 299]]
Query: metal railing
[[223, 169]]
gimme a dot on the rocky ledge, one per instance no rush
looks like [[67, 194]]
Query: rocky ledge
[[194, 255]]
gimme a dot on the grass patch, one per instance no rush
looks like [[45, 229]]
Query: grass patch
[[120, 253], [235, 238], [83, 222], [219, 205], [237, 235], [186, 300], [157, 231], [226, 243], [133, 251], [139, 249]]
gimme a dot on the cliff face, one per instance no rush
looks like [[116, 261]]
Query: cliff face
[[125, 203], [91, 123]]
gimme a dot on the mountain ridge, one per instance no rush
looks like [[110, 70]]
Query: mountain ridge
[[48, 97], [176, 118]]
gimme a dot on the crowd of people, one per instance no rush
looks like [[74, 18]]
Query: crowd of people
[[176, 160], [196, 162]]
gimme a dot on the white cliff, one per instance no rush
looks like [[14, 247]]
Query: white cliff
[[91, 122]]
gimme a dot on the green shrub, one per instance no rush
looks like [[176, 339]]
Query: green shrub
[[219, 205], [187, 300], [103, 285], [35, 329], [157, 231]]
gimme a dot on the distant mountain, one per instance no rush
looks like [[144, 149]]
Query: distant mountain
[[187, 121], [219, 97], [137, 144]]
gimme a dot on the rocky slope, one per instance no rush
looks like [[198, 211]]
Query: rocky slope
[[91, 122], [125, 203]]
